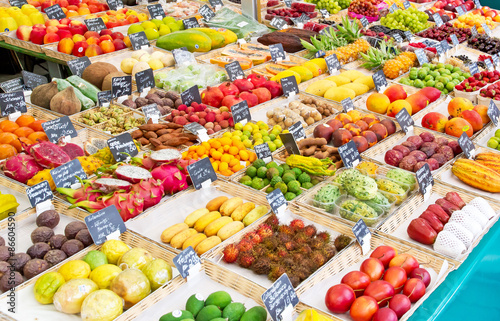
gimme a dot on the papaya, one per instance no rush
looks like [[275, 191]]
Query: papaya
[[245, 63], [257, 48], [229, 36], [288, 64], [193, 40], [256, 57], [275, 69], [217, 38]]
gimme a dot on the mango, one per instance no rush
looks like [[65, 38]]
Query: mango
[[305, 74], [319, 87], [339, 93], [209, 313], [359, 89], [352, 74], [339, 80]]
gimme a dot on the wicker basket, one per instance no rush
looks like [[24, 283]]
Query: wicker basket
[[152, 223], [321, 222], [132, 240], [11, 38], [352, 257]]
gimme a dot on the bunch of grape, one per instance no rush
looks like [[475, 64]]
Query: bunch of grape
[[344, 3], [331, 5], [410, 19], [362, 7]]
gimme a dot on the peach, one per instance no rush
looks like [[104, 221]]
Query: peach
[[354, 129], [417, 102], [107, 46], [378, 103], [51, 22], [389, 125], [379, 130], [474, 119], [482, 110], [397, 106], [119, 44], [456, 126], [117, 35], [371, 119], [334, 124], [395, 92], [457, 105], [78, 37], [77, 23], [370, 136], [340, 137], [93, 50], [104, 32], [105, 37], [89, 34], [65, 21], [355, 115], [62, 27], [64, 34], [435, 121], [66, 46], [361, 143], [362, 125], [93, 41], [132, 18], [127, 42], [344, 118], [79, 48], [50, 38], [52, 29]]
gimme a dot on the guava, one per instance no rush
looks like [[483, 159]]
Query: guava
[[135, 258], [101, 305], [158, 273]]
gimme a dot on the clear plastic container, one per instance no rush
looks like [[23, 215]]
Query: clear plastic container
[[371, 215], [382, 171], [384, 185], [329, 207]]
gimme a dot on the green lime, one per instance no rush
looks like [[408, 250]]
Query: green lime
[[95, 258]]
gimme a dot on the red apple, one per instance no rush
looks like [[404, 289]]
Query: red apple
[[380, 290], [357, 280], [373, 268], [385, 254], [37, 36], [339, 298], [24, 32], [119, 44]]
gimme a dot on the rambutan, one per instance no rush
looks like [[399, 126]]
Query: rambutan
[[341, 242], [253, 238], [304, 249], [273, 256], [310, 230], [264, 231], [295, 280], [283, 237], [297, 224], [301, 238], [276, 272], [302, 272], [328, 251], [282, 252], [289, 262], [318, 258], [298, 257], [259, 250], [324, 236], [285, 229], [270, 243], [230, 253], [316, 243], [290, 245], [273, 221], [262, 266], [245, 246], [246, 260]]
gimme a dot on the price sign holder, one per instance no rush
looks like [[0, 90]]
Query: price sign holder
[[454, 40], [406, 5], [364, 22], [397, 37], [280, 299], [489, 64], [467, 146], [241, 112], [121, 86], [191, 95], [297, 130], [234, 70], [156, 11], [437, 20], [333, 64], [151, 112], [55, 12], [104, 98], [95, 24], [40, 196], [349, 155], [263, 152], [206, 12], [347, 104], [380, 81], [278, 23], [31, 80], [277, 202], [190, 23], [324, 13], [473, 68], [473, 31], [277, 52], [78, 65], [290, 144], [487, 29], [197, 129], [122, 147], [12, 103], [144, 80], [405, 121], [363, 235], [460, 10], [105, 224], [16, 84], [188, 263], [216, 4], [66, 174], [493, 112], [139, 40], [425, 181], [59, 128], [115, 4], [202, 173], [290, 87], [408, 35]]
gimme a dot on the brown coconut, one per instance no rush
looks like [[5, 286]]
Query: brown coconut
[[106, 83], [42, 94], [65, 102], [96, 72]]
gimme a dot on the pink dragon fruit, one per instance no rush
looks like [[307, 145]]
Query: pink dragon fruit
[[72, 150], [173, 179], [21, 167], [47, 154], [84, 193], [183, 165], [129, 205], [151, 190], [132, 174], [145, 161], [169, 155], [110, 185]]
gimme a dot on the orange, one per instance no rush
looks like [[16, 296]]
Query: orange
[[37, 136], [8, 126], [37, 125], [7, 138], [7, 151], [233, 150], [25, 120], [23, 131]]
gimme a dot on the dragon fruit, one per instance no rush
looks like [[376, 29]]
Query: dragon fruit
[[47, 154], [183, 165], [151, 190], [72, 150], [173, 179], [129, 205], [110, 185], [21, 167], [84, 193], [132, 174], [145, 162], [169, 155]]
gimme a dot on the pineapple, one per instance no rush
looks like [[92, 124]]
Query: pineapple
[[393, 68], [350, 52]]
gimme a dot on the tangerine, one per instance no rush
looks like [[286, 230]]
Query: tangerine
[[7, 151], [23, 131], [8, 126], [25, 120], [37, 125]]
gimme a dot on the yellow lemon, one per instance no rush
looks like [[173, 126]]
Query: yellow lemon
[[114, 249], [76, 269], [104, 274]]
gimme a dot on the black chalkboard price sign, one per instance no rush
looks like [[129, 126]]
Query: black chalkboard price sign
[[454, 40], [95, 24], [16, 3], [496, 61], [263, 152], [280, 299], [105, 223], [144, 80], [16, 84], [190, 23], [122, 146], [241, 112], [397, 37], [66, 175], [380, 80], [206, 12], [347, 104], [216, 4], [487, 29], [325, 13], [31, 80], [289, 86], [277, 52], [404, 119], [445, 45], [467, 145], [493, 112], [290, 144], [473, 68], [115, 4], [156, 11], [186, 260], [55, 12], [277, 201], [138, 40], [278, 23], [425, 180], [151, 112], [58, 128], [489, 64], [121, 86], [288, 3], [191, 95], [12, 102], [194, 128], [408, 35], [364, 22], [297, 130], [234, 70], [39, 193], [360, 231], [78, 65], [349, 154], [201, 173], [332, 62], [104, 97]]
